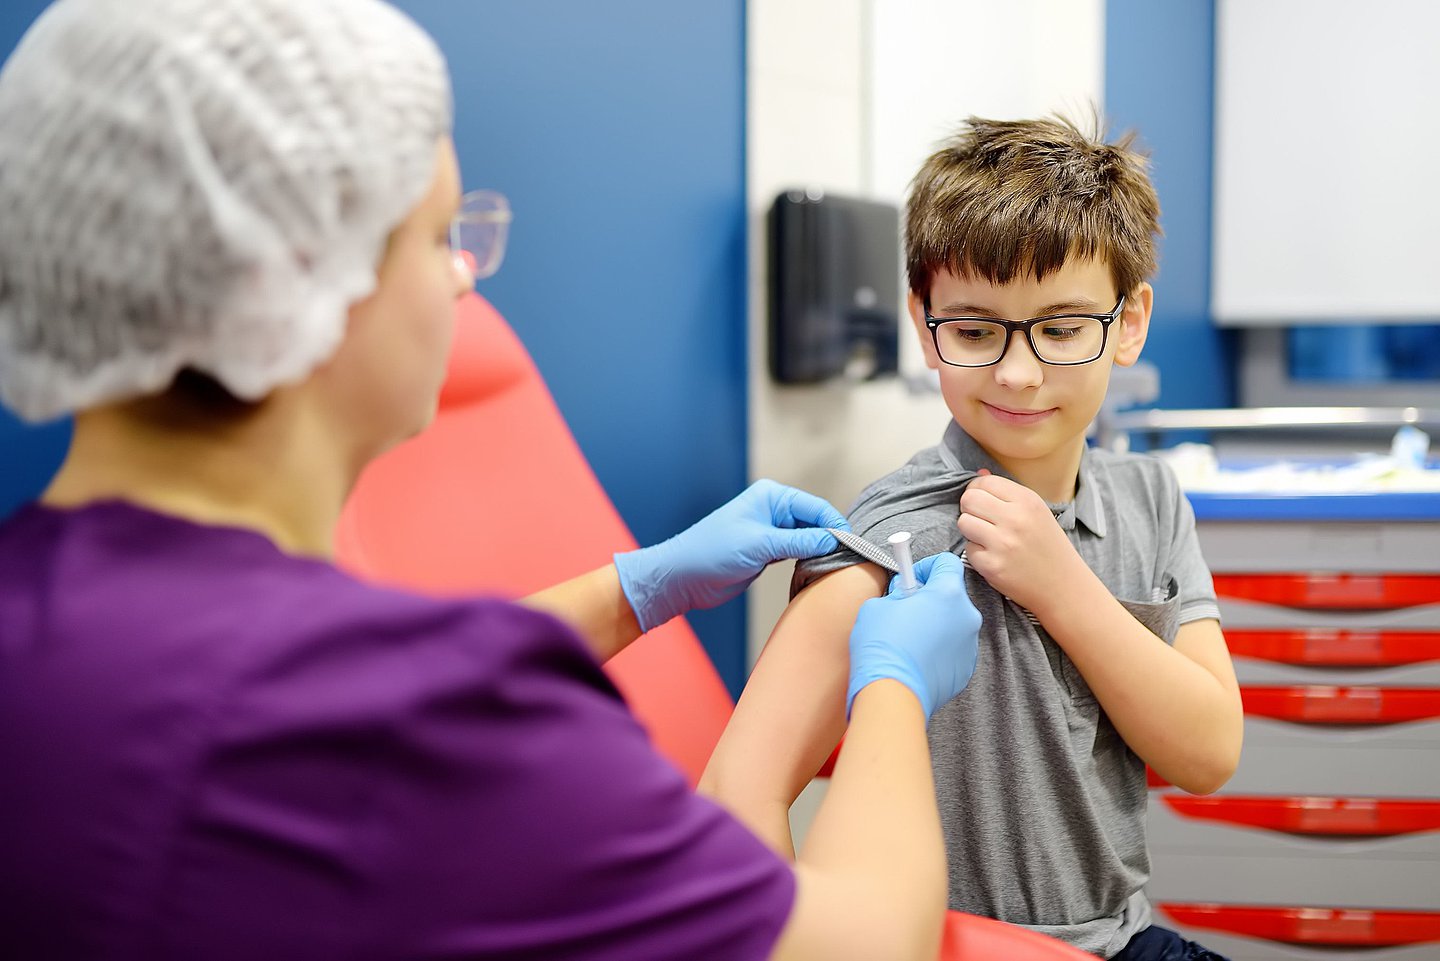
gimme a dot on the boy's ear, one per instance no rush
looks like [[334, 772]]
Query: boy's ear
[[917, 316], [1134, 325]]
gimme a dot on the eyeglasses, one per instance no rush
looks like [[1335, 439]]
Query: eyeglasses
[[1061, 340], [477, 234]]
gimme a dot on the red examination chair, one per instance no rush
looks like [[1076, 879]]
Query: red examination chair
[[495, 497]]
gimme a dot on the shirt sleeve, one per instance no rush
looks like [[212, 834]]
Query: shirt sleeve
[[1194, 585], [479, 790], [861, 516], [924, 502]]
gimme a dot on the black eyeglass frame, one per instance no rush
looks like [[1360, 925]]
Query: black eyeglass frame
[[1028, 326]]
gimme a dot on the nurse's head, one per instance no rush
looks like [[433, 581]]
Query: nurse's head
[[213, 201]]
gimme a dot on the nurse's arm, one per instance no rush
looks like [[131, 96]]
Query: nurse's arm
[[871, 879], [792, 711], [594, 606]]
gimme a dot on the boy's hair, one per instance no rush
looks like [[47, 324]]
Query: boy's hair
[[1007, 197]]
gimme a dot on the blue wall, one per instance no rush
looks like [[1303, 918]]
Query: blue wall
[[617, 131], [28, 455], [1160, 80]]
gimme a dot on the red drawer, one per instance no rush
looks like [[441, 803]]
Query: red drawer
[[1325, 704], [1340, 648], [1381, 817], [1359, 591], [1319, 926]]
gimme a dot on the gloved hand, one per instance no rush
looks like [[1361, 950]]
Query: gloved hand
[[717, 558], [926, 641]]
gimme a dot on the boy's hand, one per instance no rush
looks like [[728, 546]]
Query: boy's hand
[[1015, 542], [716, 559]]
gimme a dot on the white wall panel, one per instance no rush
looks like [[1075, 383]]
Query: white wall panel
[[1326, 196]]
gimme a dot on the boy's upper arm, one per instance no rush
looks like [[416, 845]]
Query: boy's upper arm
[[1185, 562], [794, 701], [1202, 642], [1199, 636], [854, 584], [809, 647]]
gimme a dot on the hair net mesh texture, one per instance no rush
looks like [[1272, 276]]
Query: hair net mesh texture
[[201, 183]]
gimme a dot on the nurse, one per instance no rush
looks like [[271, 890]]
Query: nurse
[[224, 248]]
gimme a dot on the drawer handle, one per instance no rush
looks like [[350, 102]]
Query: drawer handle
[[1341, 648], [1326, 590], [1320, 926], [1326, 704], [1313, 815]]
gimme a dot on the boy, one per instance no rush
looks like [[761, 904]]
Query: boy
[[1028, 248]]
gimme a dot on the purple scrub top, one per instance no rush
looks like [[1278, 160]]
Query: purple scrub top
[[212, 750]]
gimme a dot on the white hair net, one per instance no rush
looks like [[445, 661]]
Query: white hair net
[[204, 184]]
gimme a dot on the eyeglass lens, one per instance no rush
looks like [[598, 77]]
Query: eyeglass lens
[[480, 230], [1060, 340]]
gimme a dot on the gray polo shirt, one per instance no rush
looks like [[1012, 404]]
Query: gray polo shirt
[[1042, 802]]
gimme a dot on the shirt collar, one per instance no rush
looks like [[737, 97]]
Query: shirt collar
[[959, 452], [1088, 508]]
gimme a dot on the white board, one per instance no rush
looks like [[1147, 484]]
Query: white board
[[1327, 162]]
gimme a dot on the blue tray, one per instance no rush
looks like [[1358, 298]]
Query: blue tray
[[1378, 506]]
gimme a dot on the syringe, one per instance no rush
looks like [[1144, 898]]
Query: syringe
[[900, 546]]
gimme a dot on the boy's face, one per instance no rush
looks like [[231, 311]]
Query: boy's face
[[1020, 410]]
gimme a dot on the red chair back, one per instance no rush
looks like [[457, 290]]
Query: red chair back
[[973, 938]]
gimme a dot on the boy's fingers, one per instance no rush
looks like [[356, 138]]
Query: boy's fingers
[[975, 529], [982, 504], [1000, 487]]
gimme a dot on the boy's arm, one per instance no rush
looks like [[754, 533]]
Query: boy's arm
[[1177, 707], [792, 712]]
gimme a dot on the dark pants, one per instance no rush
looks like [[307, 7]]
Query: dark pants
[[1161, 944]]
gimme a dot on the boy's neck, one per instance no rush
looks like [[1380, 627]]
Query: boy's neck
[[1054, 477]]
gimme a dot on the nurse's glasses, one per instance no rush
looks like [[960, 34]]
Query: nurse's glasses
[[477, 234]]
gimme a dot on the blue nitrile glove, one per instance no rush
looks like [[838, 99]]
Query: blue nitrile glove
[[715, 559], [926, 641]]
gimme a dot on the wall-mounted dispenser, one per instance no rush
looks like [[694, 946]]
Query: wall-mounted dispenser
[[834, 287]]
